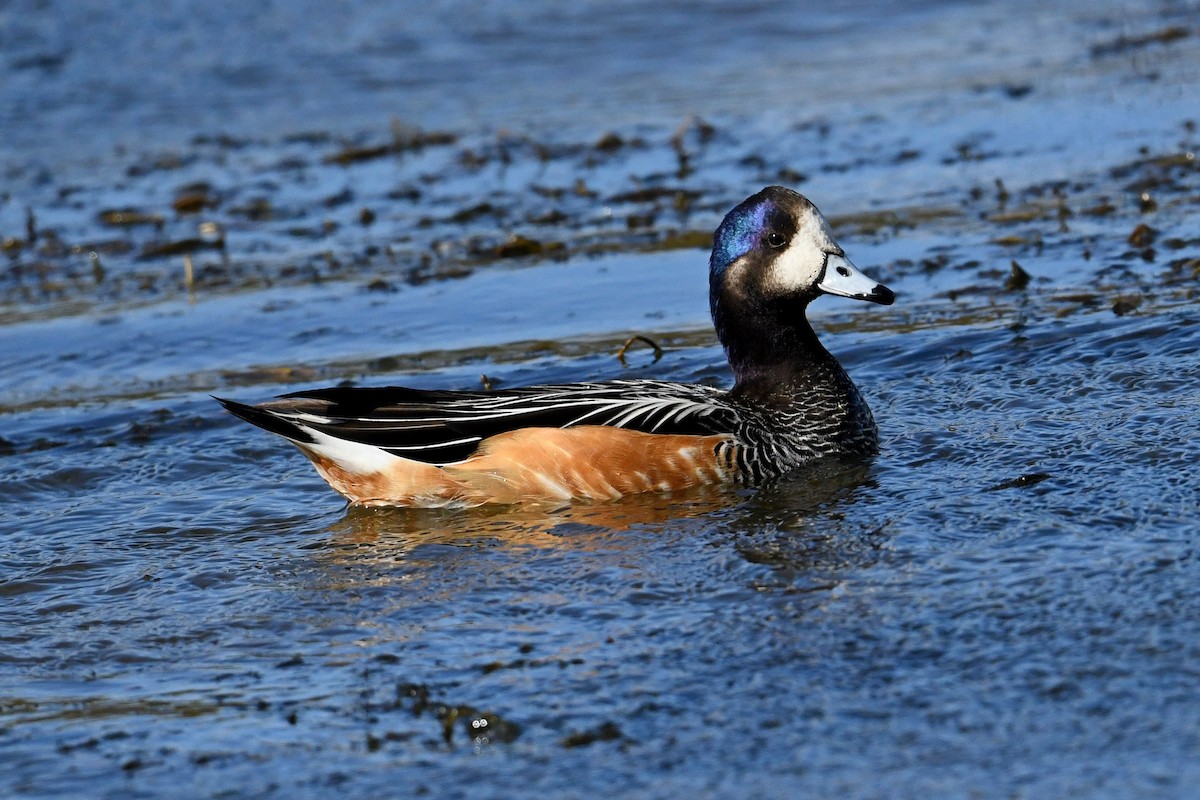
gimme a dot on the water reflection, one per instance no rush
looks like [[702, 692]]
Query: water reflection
[[769, 524], [803, 529], [391, 532]]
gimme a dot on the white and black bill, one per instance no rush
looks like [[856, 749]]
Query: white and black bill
[[842, 278]]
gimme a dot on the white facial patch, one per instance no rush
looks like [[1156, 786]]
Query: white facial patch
[[798, 267]]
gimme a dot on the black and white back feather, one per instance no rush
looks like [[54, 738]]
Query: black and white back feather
[[445, 427]]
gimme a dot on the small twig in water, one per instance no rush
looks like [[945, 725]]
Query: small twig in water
[[97, 268], [658, 351], [189, 276]]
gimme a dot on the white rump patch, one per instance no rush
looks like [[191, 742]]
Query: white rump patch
[[354, 457]]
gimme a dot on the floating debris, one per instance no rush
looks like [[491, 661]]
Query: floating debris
[[1101, 209], [693, 130], [609, 142], [350, 155], [551, 217], [475, 212], [1124, 44], [518, 246], [1018, 278], [480, 727], [1143, 235], [658, 351], [605, 732], [1031, 479], [177, 247], [128, 217], [257, 209], [1126, 304], [651, 194], [405, 138], [1002, 194], [686, 240], [346, 195], [194, 198]]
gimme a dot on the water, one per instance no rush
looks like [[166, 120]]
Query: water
[[1001, 604]]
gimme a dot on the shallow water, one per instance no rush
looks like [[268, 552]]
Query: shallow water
[[1001, 604]]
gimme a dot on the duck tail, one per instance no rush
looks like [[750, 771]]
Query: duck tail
[[268, 421], [362, 473]]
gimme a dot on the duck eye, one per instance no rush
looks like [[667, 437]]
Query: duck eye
[[776, 239]]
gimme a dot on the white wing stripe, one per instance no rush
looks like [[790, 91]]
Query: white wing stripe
[[435, 446], [666, 409]]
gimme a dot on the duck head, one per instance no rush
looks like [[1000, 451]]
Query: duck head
[[772, 255]]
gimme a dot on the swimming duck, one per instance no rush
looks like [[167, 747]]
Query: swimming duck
[[791, 402]]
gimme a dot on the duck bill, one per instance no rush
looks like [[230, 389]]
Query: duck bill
[[845, 280]]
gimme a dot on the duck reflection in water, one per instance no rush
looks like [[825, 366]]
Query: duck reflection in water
[[369, 534]]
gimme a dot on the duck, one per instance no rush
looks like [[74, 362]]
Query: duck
[[791, 403]]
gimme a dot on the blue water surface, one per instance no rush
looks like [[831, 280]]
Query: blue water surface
[[1001, 604]]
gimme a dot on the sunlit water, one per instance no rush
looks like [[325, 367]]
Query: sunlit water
[[1003, 603]]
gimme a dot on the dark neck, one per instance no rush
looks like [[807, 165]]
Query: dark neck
[[774, 353]]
